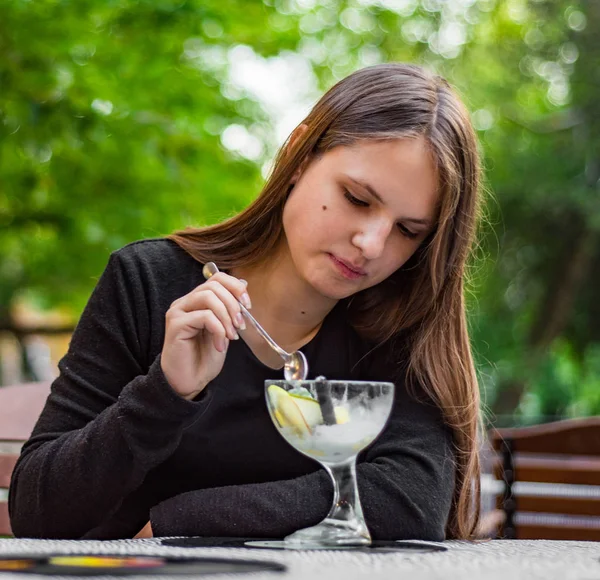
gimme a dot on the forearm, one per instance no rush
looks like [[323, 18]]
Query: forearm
[[67, 483], [405, 482], [268, 510], [392, 509]]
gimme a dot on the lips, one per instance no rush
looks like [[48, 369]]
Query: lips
[[347, 269]]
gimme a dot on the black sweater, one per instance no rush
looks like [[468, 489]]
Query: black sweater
[[116, 445]]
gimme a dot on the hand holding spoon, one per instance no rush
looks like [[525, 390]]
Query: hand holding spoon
[[295, 367]]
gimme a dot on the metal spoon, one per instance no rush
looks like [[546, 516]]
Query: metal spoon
[[295, 365]]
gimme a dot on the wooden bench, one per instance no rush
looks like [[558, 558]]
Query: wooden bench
[[20, 407], [551, 480]]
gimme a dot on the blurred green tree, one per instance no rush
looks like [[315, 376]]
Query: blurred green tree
[[535, 74], [110, 133]]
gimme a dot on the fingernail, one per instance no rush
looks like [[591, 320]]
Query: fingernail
[[221, 344], [239, 320], [244, 282], [235, 335], [246, 300]]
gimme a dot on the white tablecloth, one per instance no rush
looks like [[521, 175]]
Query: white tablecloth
[[493, 560]]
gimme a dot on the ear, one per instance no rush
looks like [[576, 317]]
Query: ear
[[297, 133]]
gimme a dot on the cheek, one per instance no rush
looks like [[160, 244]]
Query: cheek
[[307, 219], [399, 253], [298, 227]]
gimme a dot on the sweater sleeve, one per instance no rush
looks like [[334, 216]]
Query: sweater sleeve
[[405, 482], [110, 418]]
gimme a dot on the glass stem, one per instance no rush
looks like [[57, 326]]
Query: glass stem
[[346, 507]]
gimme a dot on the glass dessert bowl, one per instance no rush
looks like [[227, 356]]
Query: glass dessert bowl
[[331, 422]]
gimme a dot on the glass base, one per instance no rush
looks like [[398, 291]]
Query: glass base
[[330, 532]]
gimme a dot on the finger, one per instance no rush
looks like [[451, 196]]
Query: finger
[[232, 305], [216, 298], [236, 286], [198, 301], [195, 301], [189, 325]]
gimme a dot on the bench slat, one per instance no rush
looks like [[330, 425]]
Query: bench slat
[[7, 464]]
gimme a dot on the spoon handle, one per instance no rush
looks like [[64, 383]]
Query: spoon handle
[[209, 269], [284, 355]]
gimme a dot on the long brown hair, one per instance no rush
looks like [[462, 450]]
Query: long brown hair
[[424, 300]]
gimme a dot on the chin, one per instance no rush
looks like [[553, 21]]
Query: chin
[[338, 295], [335, 290]]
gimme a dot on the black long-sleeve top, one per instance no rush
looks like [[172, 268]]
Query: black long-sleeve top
[[116, 446]]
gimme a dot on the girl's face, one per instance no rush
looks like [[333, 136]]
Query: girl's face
[[358, 213]]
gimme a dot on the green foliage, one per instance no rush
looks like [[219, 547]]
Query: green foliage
[[107, 137], [111, 121]]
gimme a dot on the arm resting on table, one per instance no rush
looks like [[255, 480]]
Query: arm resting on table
[[405, 483]]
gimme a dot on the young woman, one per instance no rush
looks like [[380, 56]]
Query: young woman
[[355, 252]]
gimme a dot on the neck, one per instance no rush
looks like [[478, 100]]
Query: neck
[[287, 306]]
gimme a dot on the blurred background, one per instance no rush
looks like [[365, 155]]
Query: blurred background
[[127, 119]]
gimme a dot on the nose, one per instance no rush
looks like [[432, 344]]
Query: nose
[[372, 237]]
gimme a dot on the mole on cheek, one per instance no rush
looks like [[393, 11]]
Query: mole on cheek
[[324, 207]]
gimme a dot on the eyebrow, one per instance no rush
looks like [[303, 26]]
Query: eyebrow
[[372, 192]]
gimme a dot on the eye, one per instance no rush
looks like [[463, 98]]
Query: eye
[[360, 203], [406, 232], [354, 200]]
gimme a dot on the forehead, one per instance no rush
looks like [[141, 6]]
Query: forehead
[[401, 171]]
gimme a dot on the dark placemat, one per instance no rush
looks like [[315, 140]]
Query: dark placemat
[[273, 543], [119, 565]]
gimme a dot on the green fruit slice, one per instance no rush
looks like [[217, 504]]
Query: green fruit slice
[[310, 410], [286, 411], [299, 411]]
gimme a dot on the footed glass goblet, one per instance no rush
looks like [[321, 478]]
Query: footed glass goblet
[[332, 421]]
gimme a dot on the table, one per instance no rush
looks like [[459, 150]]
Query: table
[[492, 560]]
